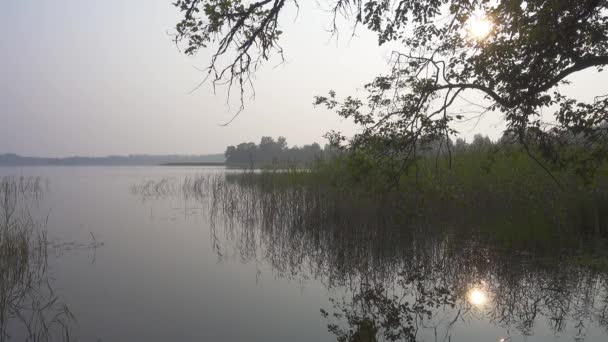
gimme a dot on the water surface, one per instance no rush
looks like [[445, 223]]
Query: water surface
[[174, 265]]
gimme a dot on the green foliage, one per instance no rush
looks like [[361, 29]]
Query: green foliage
[[489, 188], [530, 48], [271, 153]]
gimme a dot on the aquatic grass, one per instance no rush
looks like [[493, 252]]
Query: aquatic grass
[[507, 194], [514, 203], [26, 295], [309, 203], [360, 244], [369, 246]]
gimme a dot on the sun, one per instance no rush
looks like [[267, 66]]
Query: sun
[[477, 297], [479, 28]]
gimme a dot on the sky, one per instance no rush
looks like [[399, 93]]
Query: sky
[[85, 77]]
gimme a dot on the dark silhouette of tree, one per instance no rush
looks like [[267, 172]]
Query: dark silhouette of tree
[[523, 51], [271, 152]]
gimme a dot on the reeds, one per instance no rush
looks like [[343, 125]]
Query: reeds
[[255, 210], [382, 258], [26, 296]]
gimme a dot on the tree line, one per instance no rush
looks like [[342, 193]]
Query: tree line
[[276, 152]]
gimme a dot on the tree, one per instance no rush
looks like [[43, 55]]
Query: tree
[[514, 53], [270, 152], [282, 143]]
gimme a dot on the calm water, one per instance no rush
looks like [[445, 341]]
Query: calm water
[[173, 268]]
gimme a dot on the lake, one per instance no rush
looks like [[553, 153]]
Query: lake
[[180, 254]]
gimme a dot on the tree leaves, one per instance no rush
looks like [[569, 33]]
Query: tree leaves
[[533, 47]]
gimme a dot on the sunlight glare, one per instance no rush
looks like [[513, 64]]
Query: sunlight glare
[[477, 297], [479, 28]]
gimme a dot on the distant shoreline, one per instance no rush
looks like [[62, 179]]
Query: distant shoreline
[[11, 159], [193, 164]]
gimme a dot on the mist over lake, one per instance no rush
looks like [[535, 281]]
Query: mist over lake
[[189, 254], [285, 170]]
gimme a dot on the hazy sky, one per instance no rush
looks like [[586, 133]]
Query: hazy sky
[[85, 77]]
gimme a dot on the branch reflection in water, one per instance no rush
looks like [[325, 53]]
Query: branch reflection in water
[[394, 277]]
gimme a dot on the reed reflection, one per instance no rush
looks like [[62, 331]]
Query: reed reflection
[[29, 308], [394, 277]]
